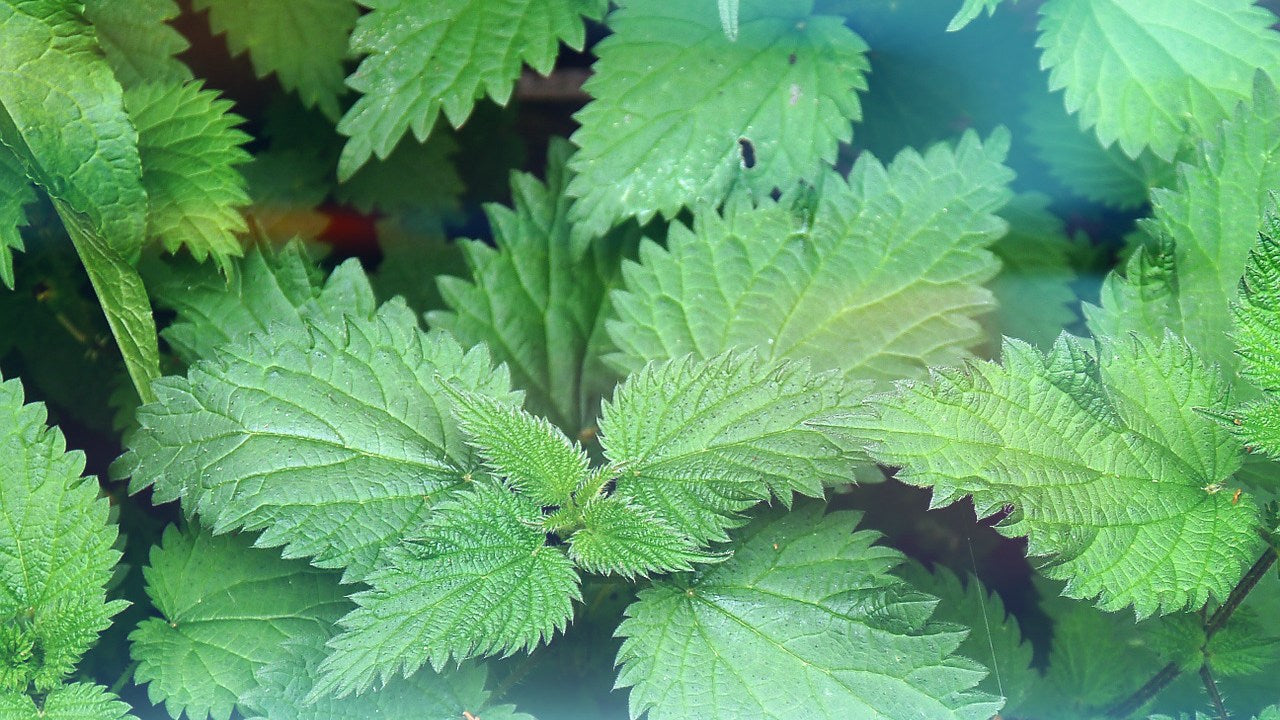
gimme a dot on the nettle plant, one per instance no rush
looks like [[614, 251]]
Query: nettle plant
[[626, 454]]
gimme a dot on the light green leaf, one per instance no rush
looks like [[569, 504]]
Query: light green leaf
[[15, 192], [139, 42], [536, 459], [334, 438], [1033, 288], [629, 540], [424, 57], [1107, 465], [190, 149], [696, 442], [539, 305], [1200, 238], [56, 550], [764, 110], [881, 283], [1257, 331], [77, 701], [226, 610], [480, 580], [970, 12], [268, 287], [304, 42], [1145, 73], [804, 615]]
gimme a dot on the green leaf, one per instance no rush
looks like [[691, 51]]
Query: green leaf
[[1033, 288], [285, 684], [536, 459], [414, 257], [15, 192], [1201, 234], [994, 639], [56, 550], [190, 149], [882, 282], [804, 615], [139, 42], [479, 581], [335, 438], [696, 442], [970, 12], [424, 57], [418, 178], [77, 701], [268, 287], [304, 42], [1144, 73], [1257, 331], [628, 540], [539, 305], [226, 610], [1106, 463], [760, 111]]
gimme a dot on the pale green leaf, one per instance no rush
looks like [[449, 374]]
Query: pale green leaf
[[423, 57], [1201, 234], [304, 42], [629, 540], [139, 42], [762, 110], [538, 304], [56, 550], [77, 701], [882, 282], [15, 192], [804, 615], [1257, 331], [536, 458], [226, 610], [333, 436], [1033, 289], [1145, 73], [1106, 463], [190, 148], [970, 12], [478, 580], [696, 442]]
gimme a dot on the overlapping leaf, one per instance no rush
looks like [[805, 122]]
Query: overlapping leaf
[[1257, 330], [1033, 289], [762, 110], [138, 41], [881, 283], [1145, 73], [804, 615], [226, 611], [422, 58], [334, 438], [624, 539], [478, 580], [15, 192], [1105, 462], [76, 701], [538, 304]]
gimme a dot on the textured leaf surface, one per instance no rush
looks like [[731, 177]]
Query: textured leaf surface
[[56, 552], [190, 149], [268, 288], [139, 42], [695, 442], [226, 610], [1106, 464], [1257, 330], [881, 283], [335, 439], [77, 701], [1202, 232], [1033, 289], [534, 457], [479, 581], [763, 110], [628, 540], [15, 192], [423, 57], [302, 41], [1140, 71], [284, 686], [540, 306], [804, 615]]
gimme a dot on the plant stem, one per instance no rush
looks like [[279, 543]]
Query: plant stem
[[516, 675], [1170, 672], [1219, 710], [124, 678]]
